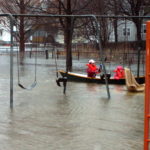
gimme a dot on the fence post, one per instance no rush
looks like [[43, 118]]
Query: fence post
[[53, 50], [57, 52], [78, 54], [46, 53]]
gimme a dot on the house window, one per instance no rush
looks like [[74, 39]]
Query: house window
[[126, 31]]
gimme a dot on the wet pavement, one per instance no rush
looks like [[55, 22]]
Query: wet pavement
[[84, 119]]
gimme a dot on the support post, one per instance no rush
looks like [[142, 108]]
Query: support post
[[101, 55], [11, 60], [147, 90]]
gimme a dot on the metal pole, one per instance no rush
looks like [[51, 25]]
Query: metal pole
[[101, 54], [11, 60]]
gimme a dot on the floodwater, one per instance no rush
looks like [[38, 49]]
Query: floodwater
[[84, 119]]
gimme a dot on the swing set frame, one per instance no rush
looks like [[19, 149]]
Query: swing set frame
[[11, 18]]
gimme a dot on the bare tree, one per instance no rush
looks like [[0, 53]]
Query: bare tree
[[112, 6], [68, 7], [23, 25], [99, 7]]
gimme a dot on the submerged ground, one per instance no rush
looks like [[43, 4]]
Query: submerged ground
[[84, 119]]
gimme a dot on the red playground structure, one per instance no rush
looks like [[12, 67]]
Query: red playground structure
[[147, 90]]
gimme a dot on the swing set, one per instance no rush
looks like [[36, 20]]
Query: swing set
[[64, 79]]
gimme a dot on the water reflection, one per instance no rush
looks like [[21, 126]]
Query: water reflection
[[92, 87]]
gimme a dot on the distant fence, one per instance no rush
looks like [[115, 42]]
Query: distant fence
[[130, 56]]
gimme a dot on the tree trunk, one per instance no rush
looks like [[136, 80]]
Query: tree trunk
[[115, 30], [22, 34], [21, 40], [68, 37], [138, 23], [21, 30], [68, 43]]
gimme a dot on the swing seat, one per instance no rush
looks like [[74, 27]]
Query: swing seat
[[108, 75], [131, 83], [29, 87], [63, 79]]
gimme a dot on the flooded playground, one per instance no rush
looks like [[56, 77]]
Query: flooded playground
[[84, 119]]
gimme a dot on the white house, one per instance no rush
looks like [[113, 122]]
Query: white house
[[127, 31], [4, 32]]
